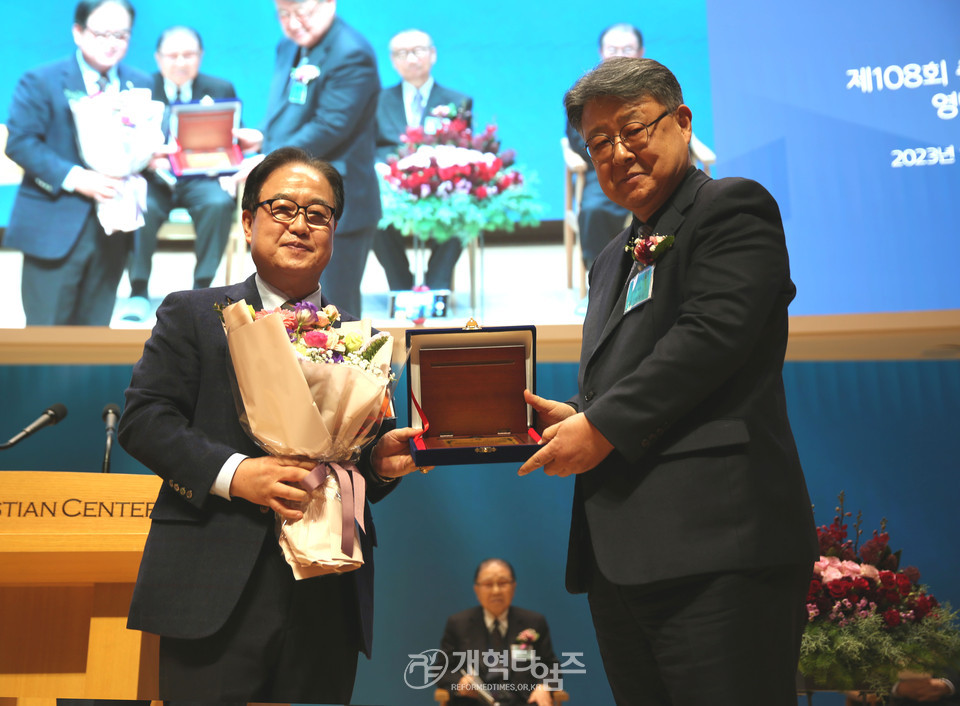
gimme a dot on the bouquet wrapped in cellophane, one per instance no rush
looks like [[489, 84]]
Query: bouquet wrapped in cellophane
[[117, 134], [313, 391]]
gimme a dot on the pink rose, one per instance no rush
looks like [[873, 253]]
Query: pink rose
[[316, 339], [850, 568], [869, 571], [832, 573]]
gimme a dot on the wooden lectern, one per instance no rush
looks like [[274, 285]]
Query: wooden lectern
[[70, 548]]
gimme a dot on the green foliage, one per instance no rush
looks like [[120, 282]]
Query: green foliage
[[458, 214], [865, 654]]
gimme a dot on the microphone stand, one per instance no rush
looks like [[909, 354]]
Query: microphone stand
[[106, 452], [111, 413]]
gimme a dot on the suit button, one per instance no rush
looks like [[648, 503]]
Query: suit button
[[189, 494], [183, 491], [170, 482], [588, 396], [176, 486]]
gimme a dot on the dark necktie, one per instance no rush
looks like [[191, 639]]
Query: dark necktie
[[289, 305], [497, 641], [102, 83], [178, 97]]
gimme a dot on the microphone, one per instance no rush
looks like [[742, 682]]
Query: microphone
[[51, 415], [111, 414]]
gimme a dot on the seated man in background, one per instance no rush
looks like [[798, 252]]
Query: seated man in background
[[409, 104], [496, 625], [179, 53], [600, 218]]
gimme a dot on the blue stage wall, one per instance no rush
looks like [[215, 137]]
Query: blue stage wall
[[883, 432]]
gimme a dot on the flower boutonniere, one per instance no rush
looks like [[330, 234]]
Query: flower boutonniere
[[305, 73], [526, 638], [648, 250]]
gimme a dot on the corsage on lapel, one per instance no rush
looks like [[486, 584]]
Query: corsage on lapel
[[300, 76], [647, 250], [526, 638]]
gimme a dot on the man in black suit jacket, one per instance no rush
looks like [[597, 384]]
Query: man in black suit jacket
[[71, 267], [179, 53], [234, 623], [692, 531], [496, 625], [323, 99], [411, 103]]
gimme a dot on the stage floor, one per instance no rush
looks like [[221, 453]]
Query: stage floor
[[516, 284]]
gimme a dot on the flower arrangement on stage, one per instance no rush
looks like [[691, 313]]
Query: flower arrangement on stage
[[869, 620], [450, 183], [308, 390]]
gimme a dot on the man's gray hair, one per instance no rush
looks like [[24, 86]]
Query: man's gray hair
[[626, 78]]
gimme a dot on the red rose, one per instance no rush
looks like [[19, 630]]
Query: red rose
[[887, 578], [814, 590], [913, 573], [481, 192], [904, 584], [839, 588], [892, 617]]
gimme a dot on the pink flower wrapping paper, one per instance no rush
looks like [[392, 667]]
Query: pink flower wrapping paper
[[321, 411]]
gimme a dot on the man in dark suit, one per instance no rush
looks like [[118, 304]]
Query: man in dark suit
[[179, 53], [71, 267], [496, 625], [323, 99], [692, 531], [411, 103], [234, 623]]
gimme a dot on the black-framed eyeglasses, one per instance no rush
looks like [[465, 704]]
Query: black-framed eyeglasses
[[490, 585], [404, 54], [286, 211], [122, 35], [633, 136], [302, 12]]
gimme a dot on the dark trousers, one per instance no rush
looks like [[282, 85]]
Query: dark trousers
[[390, 250], [79, 289], [724, 639], [212, 211], [287, 641], [340, 281], [600, 219]]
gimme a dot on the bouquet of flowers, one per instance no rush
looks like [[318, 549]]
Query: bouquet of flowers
[[326, 393], [450, 183], [869, 620], [117, 134]]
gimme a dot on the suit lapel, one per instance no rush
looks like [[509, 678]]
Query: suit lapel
[[395, 112], [246, 290], [277, 98], [669, 223], [606, 292]]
